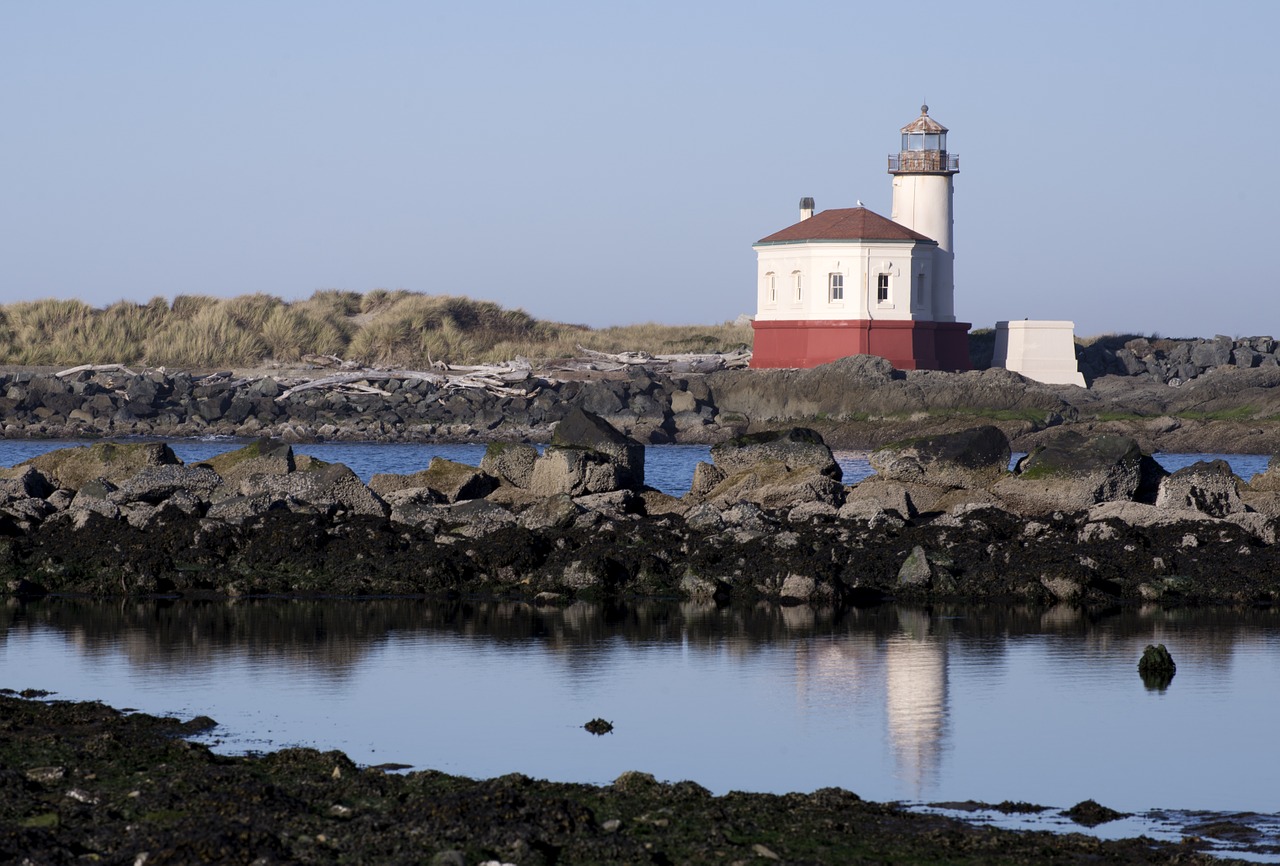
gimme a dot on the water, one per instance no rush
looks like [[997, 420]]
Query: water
[[669, 468], [893, 703]]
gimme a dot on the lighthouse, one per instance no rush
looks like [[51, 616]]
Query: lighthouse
[[922, 196], [849, 281]]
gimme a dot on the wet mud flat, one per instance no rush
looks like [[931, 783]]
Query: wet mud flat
[[82, 782]]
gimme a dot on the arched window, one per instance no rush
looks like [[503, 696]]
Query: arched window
[[797, 283], [835, 287], [882, 288], [771, 287]]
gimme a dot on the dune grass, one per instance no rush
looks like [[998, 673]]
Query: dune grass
[[382, 327]]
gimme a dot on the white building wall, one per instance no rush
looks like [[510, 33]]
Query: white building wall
[[860, 263]]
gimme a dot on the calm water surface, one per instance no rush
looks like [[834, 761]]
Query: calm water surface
[[893, 703]]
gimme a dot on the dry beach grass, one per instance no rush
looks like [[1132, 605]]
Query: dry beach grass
[[378, 327]]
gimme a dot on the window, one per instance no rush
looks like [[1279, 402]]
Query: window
[[771, 287], [920, 290], [835, 287], [797, 283], [882, 288]]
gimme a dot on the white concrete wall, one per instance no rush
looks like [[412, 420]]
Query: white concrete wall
[[1041, 350], [860, 263]]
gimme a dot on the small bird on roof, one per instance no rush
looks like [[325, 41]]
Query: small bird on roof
[[860, 204]]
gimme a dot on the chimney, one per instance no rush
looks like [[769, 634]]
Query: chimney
[[806, 208]]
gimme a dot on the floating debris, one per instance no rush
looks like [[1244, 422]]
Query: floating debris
[[599, 727]]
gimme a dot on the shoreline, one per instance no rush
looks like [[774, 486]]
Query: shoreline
[[95, 780]]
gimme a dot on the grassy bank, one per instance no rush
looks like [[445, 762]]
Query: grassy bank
[[379, 327]]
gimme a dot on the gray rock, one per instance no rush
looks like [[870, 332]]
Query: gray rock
[[969, 459], [1269, 479], [795, 448], [916, 570], [266, 456], [154, 484], [511, 462], [1071, 472], [705, 477], [476, 518], [576, 471], [771, 484], [25, 481], [880, 494], [454, 481], [807, 511], [615, 503], [1209, 487], [558, 512], [584, 430], [113, 461], [330, 488]]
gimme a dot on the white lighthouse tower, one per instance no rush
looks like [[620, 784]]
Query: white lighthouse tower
[[922, 193]]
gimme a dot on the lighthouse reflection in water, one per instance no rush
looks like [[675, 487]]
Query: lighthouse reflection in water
[[893, 703]]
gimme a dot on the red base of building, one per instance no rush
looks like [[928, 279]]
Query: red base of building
[[906, 345]]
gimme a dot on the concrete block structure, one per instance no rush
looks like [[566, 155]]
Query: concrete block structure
[[1041, 350]]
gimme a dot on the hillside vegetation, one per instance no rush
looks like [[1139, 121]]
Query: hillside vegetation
[[380, 327]]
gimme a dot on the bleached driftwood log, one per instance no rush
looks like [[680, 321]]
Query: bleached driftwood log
[[96, 368], [492, 378], [683, 363]]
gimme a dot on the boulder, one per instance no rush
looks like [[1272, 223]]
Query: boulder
[[583, 430], [22, 481], [454, 481], [772, 484], [705, 477], [553, 512], [973, 458], [331, 488], [266, 456], [878, 493], [1269, 480], [113, 461], [577, 472], [154, 484], [1208, 486], [1072, 472], [795, 448], [511, 462]]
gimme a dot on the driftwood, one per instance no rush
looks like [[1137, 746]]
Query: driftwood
[[684, 363], [96, 368], [491, 378]]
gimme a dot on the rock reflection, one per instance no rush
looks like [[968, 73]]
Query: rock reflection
[[888, 669]]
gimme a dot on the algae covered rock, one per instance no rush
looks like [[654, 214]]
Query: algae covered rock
[[968, 459], [794, 448], [453, 481], [264, 457], [1072, 472], [113, 461]]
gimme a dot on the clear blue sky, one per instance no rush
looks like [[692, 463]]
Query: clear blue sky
[[610, 163]]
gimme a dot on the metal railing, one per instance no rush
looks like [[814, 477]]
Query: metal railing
[[924, 160]]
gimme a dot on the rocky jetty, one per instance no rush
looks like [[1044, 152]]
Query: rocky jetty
[[856, 402], [1081, 519]]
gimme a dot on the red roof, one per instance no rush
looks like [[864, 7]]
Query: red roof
[[845, 224]]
